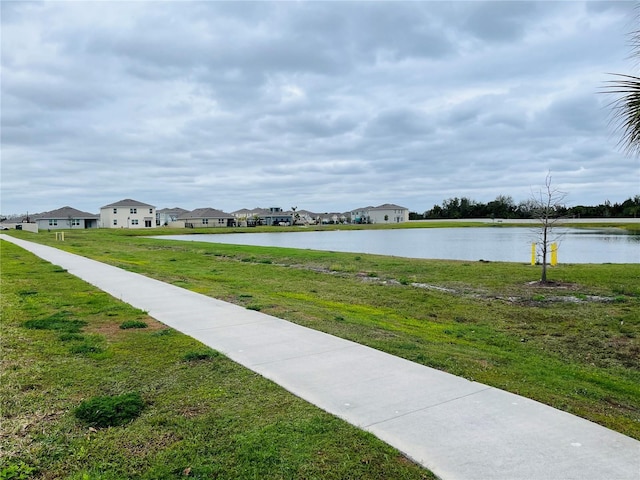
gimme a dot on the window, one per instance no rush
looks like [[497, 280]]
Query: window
[[133, 210], [115, 210], [53, 222], [151, 210], [221, 221], [205, 221], [134, 221], [75, 222], [115, 221]]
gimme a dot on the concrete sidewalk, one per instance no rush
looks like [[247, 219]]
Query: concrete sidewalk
[[456, 428]]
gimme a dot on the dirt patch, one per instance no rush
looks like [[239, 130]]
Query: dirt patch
[[111, 330]]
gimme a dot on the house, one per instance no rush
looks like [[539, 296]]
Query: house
[[333, 218], [305, 217], [263, 216], [361, 215], [128, 213], [385, 213], [164, 216], [65, 217], [275, 216], [207, 217], [245, 217]]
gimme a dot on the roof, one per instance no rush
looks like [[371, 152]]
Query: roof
[[177, 210], [362, 208], [242, 211], [205, 213], [384, 206], [64, 213], [127, 202], [388, 206]]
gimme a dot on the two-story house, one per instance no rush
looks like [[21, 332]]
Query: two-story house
[[128, 213]]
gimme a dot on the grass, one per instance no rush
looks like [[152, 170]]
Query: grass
[[574, 345], [204, 416]]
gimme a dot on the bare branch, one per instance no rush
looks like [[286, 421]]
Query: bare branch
[[547, 205]]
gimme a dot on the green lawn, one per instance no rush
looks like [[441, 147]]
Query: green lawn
[[63, 342], [575, 346]]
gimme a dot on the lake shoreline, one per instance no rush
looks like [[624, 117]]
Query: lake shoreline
[[473, 243]]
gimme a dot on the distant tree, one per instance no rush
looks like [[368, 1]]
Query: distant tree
[[502, 207], [547, 206], [631, 207], [435, 212]]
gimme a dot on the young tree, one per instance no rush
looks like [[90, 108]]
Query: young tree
[[546, 205]]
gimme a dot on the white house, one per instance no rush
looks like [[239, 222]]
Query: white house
[[207, 217], [165, 216], [263, 216], [386, 213], [305, 217], [65, 217], [128, 213]]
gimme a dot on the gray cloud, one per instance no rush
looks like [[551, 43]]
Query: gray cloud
[[327, 106]]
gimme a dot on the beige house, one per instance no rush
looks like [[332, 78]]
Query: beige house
[[207, 217], [386, 213], [128, 213]]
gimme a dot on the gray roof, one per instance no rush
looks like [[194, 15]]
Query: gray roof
[[388, 206], [242, 211], [174, 210], [64, 213], [127, 202], [384, 206], [362, 208], [205, 213]]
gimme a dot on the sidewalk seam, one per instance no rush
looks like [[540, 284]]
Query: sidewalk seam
[[427, 407]]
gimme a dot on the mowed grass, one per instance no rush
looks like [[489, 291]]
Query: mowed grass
[[204, 416], [574, 345]]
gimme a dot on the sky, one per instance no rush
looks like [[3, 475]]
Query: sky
[[324, 106]]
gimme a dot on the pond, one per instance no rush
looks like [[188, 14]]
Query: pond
[[508, 244]]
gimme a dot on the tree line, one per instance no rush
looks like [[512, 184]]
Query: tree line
[[505, 207]]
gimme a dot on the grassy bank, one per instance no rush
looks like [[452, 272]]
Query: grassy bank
[[574, 345], [204, 416]]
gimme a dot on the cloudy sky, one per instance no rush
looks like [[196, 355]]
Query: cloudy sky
[[327, 106]]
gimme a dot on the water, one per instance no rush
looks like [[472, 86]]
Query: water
[[511, 244]]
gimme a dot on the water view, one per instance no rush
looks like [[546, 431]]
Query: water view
[[494, 244]]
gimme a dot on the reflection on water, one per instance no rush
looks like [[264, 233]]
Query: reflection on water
[[512, 244]]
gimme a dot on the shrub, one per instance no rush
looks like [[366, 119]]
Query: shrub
[[57, 321], [199, 355], [110, 411], [132, 324]]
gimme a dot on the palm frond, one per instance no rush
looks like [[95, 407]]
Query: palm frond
[[626, 110]]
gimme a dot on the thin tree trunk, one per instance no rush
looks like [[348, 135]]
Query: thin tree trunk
[[543, 279]]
